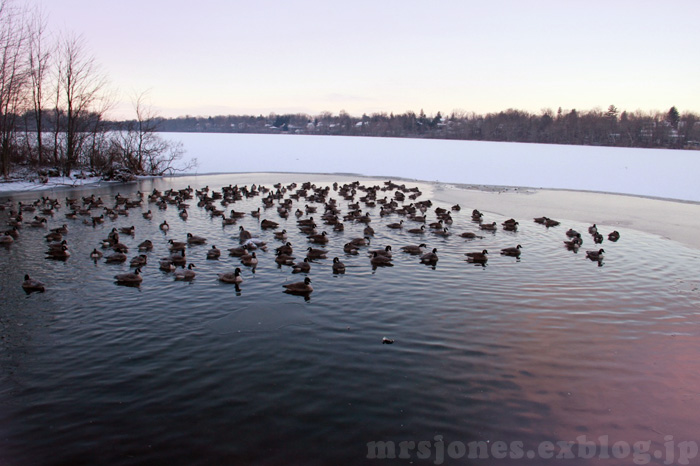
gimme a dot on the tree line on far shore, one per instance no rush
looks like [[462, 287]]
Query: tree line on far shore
[[54, 99], [596, 127]]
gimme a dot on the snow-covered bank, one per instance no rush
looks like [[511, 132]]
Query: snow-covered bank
[[662, 173]]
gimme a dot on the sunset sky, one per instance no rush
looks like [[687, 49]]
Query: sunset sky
[[213, 57]]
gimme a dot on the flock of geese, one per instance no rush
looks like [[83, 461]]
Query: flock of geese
[[390, 198]]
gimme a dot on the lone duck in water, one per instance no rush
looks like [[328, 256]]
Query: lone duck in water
[[29, 285]]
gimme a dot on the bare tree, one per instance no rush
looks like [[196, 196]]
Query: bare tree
[[39, 56], [143, 151], [13, 77], [82, 85]]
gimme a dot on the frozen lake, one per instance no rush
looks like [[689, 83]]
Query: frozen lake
[[662, 173]]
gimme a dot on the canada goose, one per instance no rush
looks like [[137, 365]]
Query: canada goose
[[470, 235], [456, 208], [439, 225], [281, 234], [116, 257], [571, 233], [510, 225], [488, 226], [368, 231], [29, 285], [95, 254], [364, 219], [148, 215], [134, 278], [614, 236], [414, 250], [57, 246], [395, 226], [299, 287], [595, 255], [305, 221], [338, 267], [267, 224], [350, 248], [551, 223], [127, 230], [302, 267], [286, 248], [185, 273], [38, 223], [192, 239], [213, 253], [514, 252], [316, 253], [255, 213], [234, 214], [250, 260], [164, 226], [54, 236], [284, 259], [139, 260], [430, 257], [61, 254], [593, 229], [476, 215], [597, 238], [417, 231], [540, 220], [243, 235], [477, 257], [574, 244], [14, 232], [176, 245], [319, 239], [166, 265], [238, 252], [178, 259], [444, 232], [380, 261], [386, 252], [146, 245], [183, 214], [361, 241], [231, 277], [6, 239], [227, 221], [63, 229]]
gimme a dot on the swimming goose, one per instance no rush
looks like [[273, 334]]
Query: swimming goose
[[134, 278], [597, 238], [238, 252], [61, 254], [231, 277], [386, 252], [281, 234], [513, 252], [255, 213], [368, 231], [476, 215], [470, 235], [14, 232], [146, 245], [250, 260], [178, 259], [57, 246], [430, 258], [338, 267], [185, 273], [319, 239], [95, 254], [127, 230], [380, 261], [488, 226], [29, 285], [477, 257], [444, 232], [350, 248], [116, 257], [54, 236], [365, 241], [148, 215], [284, 259], [417, 231], [395, 226], [571, 233], [439, 225], [593, 229], [183, 214], [6, 239], [266, 224], [316, 253], [595, 255], [139, 260], [302, 267], [213, 253], [299, 287], [166, 265], [164, 226], [551, 223], [38, 223], [192, 239], [62, 229], [286, 248], [413, 249], [614, 236], [243, 235]]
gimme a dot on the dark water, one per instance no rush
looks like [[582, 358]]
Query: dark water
[[547, 348]]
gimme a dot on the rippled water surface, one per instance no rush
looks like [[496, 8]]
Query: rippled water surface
[[549, 347]]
